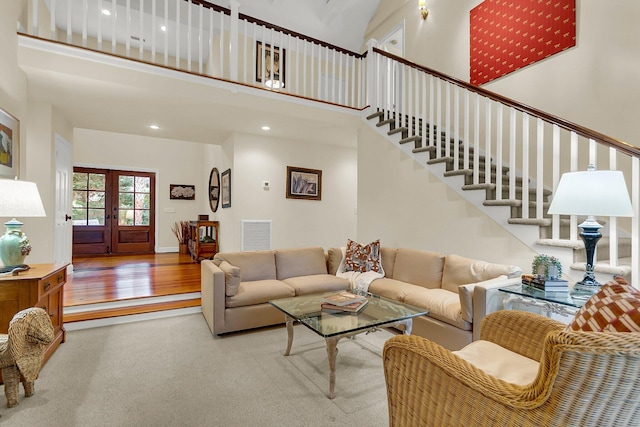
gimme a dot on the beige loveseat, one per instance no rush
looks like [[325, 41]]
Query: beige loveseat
[[236, 287], [457, 291]]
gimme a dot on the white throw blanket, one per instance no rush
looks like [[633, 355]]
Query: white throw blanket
[[358, 281]]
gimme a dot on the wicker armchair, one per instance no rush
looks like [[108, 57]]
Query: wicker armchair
[[22, 351], [584, 378]]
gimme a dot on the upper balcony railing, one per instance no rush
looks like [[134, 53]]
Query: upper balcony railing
[[202, 38], [197, 37]]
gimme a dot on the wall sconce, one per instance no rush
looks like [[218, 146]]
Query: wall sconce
[[424, 12]]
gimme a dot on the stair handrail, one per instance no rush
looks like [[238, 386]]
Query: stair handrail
[[565, 124]]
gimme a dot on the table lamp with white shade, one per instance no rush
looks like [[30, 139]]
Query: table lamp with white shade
[[592, 193], [17, 199]]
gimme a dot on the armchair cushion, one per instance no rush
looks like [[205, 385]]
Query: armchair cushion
[[500, 362], [614, 308]]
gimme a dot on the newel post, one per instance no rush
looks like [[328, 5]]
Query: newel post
[[371, 98], [233, 40]]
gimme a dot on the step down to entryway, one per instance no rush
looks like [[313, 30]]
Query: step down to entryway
[[124, 311]]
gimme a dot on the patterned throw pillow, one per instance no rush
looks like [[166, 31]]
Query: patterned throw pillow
[[363, 258], [614, 308]]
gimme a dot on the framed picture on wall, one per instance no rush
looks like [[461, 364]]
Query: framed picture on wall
[[182, 192], [9, 145], [267, 58], [225, 186], [304, 183]]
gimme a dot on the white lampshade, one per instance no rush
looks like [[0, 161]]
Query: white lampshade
[[592, 193], [20, 199]]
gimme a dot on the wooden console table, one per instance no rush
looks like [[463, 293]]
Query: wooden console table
[[40, 286], [203, 239]]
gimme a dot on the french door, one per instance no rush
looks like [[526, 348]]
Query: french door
[[113, 211]]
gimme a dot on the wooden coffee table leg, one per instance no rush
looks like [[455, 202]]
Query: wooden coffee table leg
[[289, 322], [332, 352]]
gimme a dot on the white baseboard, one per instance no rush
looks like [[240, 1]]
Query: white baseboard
[[87, 324]]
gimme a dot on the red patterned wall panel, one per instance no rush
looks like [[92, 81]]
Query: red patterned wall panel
[[510, 34]]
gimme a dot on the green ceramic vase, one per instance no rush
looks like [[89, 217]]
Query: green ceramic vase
[[14, 244]]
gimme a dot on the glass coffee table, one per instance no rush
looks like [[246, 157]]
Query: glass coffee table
[[333, 327]]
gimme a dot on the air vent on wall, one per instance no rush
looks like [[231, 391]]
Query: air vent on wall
[[256, 235]]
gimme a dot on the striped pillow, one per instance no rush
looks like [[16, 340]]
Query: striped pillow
[[614, 308]]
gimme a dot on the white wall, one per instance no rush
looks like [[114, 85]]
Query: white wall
[[252, 159], [295, 223], [404, 205]]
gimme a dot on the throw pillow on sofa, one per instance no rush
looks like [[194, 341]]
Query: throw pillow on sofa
[[231, 278], [363, 258], [615, 307]]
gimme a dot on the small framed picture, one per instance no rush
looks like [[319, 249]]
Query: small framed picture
[[225, 186], [273, 57], [9, 145], [304, 183], [182, 192]]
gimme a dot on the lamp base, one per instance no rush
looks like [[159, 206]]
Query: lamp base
[[14, 244], [587, 286], [590, 235]]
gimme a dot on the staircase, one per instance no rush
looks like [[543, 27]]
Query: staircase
[[450, 159]]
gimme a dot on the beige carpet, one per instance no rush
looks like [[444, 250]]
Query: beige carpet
[[172, 372]]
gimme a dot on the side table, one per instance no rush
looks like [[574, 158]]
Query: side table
[[564, 304]]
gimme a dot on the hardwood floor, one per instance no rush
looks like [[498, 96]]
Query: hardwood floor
[[105, 287]]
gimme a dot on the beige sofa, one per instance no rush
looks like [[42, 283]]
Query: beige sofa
[[457, 291], [236, 287]]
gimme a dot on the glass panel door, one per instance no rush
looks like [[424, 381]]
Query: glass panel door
[[113, 212], [133, 208], [91, 230]]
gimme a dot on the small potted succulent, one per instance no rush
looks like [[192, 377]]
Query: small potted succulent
[[546, 266]]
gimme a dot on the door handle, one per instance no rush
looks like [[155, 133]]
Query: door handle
[[67, 217]]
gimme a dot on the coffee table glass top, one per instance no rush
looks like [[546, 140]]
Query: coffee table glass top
[[379, 311], [572, 298]]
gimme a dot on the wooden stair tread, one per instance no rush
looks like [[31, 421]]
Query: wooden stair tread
[[128, 310]]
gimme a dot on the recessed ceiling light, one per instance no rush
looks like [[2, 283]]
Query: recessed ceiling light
[[266, 128], [154, 127], [106, 12], [163, 27]]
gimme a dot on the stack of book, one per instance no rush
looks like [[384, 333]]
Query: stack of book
[[545, 284], [343, 302]]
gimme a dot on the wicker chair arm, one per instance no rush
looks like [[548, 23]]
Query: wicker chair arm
[[519, 331]]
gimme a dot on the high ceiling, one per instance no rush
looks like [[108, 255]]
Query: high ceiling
[[118, 97], [339, 22]]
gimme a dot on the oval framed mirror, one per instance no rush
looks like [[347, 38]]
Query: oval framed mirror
[[214, 189]]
